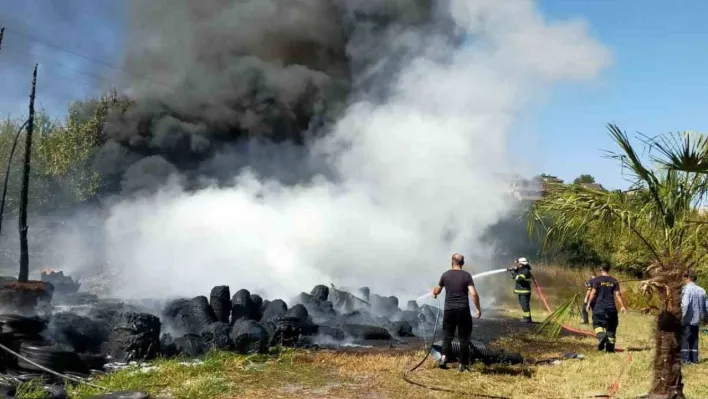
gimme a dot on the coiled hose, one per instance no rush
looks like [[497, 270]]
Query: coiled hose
[[427, 354], [479, 350]]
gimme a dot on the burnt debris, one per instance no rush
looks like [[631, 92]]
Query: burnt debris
[[85, 334]]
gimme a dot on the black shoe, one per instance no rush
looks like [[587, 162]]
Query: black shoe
[[462, 368], [601, 345], [443, 363]]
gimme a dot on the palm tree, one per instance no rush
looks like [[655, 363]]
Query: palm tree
[[660, 211]]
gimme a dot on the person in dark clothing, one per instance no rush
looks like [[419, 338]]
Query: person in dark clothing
[[605, 289], [458, 284], [588, 290], [523, 277]]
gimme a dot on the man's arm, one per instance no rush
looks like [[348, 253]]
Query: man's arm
[[588, 290], [593, 294], [618, 295], [438, 288], [685, 301], [475, 300], [513, 271]]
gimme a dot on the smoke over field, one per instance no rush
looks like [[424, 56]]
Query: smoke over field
[[275, 145]]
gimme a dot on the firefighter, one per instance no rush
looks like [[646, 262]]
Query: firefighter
[[588, 290], [605, 289], [523, 277]]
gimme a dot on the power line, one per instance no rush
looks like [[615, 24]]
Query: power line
[[55, 74], [82, 72], [85, 57]]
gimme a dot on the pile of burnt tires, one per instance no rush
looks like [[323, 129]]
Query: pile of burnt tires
[[246, 323], [115, 332]]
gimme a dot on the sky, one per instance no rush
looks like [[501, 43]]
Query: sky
[[655, 84]]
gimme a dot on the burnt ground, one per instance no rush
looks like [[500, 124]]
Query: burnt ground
[[486, 329]]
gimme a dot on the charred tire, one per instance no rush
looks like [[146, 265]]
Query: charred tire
[[482, 352], [243, 297], [275, 309], [201, 314], [403, 329], [324, 330], [238, 312], [257, 306], [287, 331], [366, 332], [123, 395], [249, 337], [320, 292], [220, 301], [136, 336], [217, 336], [82, 334], [49, 356], [190, 345], [20, 325], [299, 312]]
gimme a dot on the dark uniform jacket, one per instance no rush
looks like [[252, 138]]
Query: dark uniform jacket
[[523, 278]]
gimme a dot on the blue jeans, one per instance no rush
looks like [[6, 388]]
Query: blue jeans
[[689, 344]]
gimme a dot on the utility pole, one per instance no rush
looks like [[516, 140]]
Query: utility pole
[[24, 251], [2, 33]]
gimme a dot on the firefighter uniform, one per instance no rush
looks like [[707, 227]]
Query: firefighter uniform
[[522, 276], [604, 312]]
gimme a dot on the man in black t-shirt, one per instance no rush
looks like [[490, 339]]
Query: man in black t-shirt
[[605, 289], [458, 285]]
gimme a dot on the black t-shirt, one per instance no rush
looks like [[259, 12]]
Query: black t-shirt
[[605, 288], [456, 283]]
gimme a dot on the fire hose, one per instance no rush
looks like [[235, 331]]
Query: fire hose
[[427, 354], [615, 386], [611, 391]]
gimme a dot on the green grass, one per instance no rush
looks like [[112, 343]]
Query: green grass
[[220, 374]]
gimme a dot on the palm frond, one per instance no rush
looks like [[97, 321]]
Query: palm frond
[[566, 211], [644, 177], [687, 152], [552, 326]]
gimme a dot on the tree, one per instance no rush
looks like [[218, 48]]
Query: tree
[[68, 152], [660, 216], [584, 179]]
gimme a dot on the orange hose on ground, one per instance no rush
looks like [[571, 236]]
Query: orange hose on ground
[[612, 390], [565, 327]]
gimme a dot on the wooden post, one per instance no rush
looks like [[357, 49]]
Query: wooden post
[[24, 251]]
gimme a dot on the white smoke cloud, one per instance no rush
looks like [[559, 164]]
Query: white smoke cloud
[[419, 177]]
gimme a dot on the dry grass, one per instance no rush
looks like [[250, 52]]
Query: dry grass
[[303, 374], [378, 375]]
